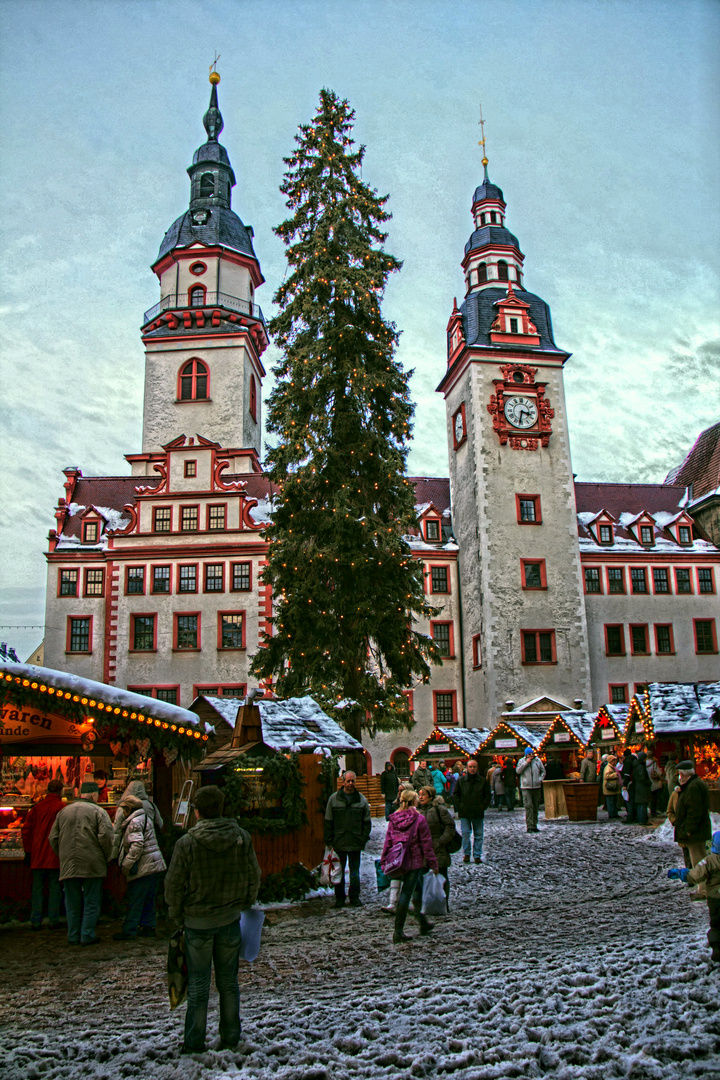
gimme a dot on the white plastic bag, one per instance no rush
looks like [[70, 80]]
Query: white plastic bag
[[331, 873], [251, 924], [434, 901]]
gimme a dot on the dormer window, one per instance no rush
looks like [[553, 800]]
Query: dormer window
[[684, 534], [502, 268], [647, 535], [432, 530], [605, 534], [514, 326], [90, 532]]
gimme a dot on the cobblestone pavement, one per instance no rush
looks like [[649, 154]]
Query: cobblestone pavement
[[567, 954]]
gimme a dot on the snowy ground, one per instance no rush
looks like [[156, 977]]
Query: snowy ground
[[566, 955]]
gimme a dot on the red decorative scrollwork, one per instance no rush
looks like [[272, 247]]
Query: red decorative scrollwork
[[508, 435]]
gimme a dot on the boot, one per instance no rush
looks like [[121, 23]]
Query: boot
[[400, 917], [425, 925]]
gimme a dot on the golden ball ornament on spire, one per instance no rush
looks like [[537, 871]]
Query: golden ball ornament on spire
[[214, 78]]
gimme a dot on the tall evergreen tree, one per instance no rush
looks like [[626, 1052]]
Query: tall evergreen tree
[[345, 585]]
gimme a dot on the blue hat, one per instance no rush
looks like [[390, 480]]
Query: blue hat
[[528, 750], [715, 847]]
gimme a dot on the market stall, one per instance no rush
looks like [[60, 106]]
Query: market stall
[[278, 771], [565, 742], [450, 744], [56, 725], [607, 734]]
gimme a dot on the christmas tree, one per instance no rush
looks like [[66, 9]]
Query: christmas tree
[[346, 589]]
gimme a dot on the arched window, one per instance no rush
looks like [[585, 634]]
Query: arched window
[[502, 271], [493, 218], [482, 273], [483, 219], [253, 398], [197, 296], [401, 761], [193, 381], [207, 185]]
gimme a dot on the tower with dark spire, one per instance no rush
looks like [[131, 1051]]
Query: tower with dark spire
[[525, 633], [205, 338]]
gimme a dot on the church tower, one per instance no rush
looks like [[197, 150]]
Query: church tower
[[513, 499], [204, 339]]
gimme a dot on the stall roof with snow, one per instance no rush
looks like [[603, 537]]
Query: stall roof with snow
[[674, 709], [512, 737], [609, 724], [451, 741], [574, 726]]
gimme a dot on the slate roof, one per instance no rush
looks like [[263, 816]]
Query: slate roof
[[624, 502], [223, 228], [479, 313], [701, 468], [488, 190], [292, 725], [491, 234]]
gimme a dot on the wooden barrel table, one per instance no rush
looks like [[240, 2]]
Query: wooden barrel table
[[581, 801]]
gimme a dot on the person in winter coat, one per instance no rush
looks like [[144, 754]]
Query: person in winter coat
[[497, 786], [692, 814], [628, 768], [82, 837], [442, 828], [509, 782], [389, 786], [671, 771], [451, 778], [641, 788], [347, 830], [421, 776], [588, 772], [655, 775], [554, 768], [706, 875], [142, 864], [136, 789], [44, 863], [213, 877], [531, 771], [611, 786], [472, 798], [409, 829], [438, 778]]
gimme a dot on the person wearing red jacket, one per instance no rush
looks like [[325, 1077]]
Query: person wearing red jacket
[[44, 862]]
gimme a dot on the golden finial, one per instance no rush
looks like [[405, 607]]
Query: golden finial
[[481, 142], [214, 77]]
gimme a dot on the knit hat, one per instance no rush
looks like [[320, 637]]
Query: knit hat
[[686, 766], [528, 750], [715, 847], [88, 787]]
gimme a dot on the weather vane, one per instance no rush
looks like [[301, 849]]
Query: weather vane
[[214, 77], [481, 142]]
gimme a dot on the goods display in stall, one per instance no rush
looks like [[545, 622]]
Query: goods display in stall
[[565, 741], [452, 744]]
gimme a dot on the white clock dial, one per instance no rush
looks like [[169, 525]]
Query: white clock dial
[[459, 427], [521, 412]]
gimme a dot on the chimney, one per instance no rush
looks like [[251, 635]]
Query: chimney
[[248, 723]]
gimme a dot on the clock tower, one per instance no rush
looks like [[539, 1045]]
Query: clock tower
[[513, 498]]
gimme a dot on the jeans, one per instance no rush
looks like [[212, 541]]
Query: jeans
[[510, 798], [612, 805], [641, 810], [83, 897], [477, 827], [388, 808], [218, 946], [39, 877], [631, 811], [141, 893], [531, 802], [352, 859], [408, 885]]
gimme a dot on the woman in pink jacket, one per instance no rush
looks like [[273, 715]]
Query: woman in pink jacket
[[409, 844]]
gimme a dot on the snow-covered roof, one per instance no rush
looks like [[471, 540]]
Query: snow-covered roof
[[679, 707], [296, 724], [467, 740], [627, 504], [578, 722], [617, 713], [114, 696], [531, 736]]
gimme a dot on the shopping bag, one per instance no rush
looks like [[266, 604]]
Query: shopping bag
[[177, 971], [433, 895], [251, 924], [383, 881], [331, 873]]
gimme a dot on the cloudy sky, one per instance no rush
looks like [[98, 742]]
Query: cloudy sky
[[602, 128]]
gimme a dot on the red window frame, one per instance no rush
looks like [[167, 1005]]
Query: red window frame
[[190, 469], [618, 686], [191, 289], [553, 646], [623, 581], [205, 688], [600, 580], [198, 268], [439, 566], [543, 575], [183, 526], [671, 650], [157, 510], [68, 570], [646, 628], [457, 443], [161, 592], [186, 648], [186, 592], [87, 526], [151, 691], [68, 635], [690, 581], [233, 587], [94, 570], [142, 615], [193, 369], [212, 527], [477, 651], [450, 655], [438, 523], [659, 592], [253, 398], [231, 648], [453, 697], [206, 566], [538, 509], [713, 634], [136, 592], [621, 628], [711, 590]]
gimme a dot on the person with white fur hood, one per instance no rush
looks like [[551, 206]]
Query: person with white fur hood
[[141, 861], [136, 788]]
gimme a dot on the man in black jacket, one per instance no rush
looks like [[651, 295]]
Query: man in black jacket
[[628, 767], [641, 788], [389, 785], [347, 830], [692, 813], [471, 799]]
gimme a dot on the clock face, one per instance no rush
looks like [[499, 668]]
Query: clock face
[[521, 412], [459, 427]]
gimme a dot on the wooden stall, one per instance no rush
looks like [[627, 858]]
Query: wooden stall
[[607, 734], [262, 730], [450, 744], [564, 745]]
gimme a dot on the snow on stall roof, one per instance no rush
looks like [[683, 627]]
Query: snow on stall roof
[[468, 739], [684, 706], [293, 724], [580, 723], [618, 713], [76, 684]]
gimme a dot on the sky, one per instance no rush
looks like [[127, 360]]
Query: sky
[[602, 130]]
